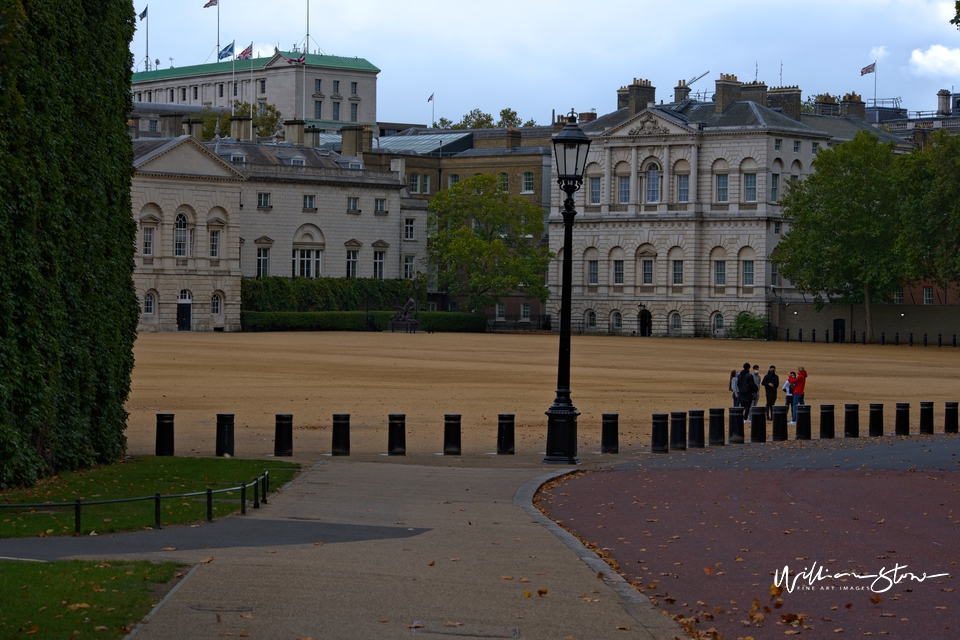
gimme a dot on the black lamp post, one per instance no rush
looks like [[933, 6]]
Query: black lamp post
[[570, 147]]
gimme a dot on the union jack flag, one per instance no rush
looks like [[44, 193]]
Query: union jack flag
[[212, 3], [246, 54], [301, 60], [870, 68]]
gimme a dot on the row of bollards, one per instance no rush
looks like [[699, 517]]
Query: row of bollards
[[676, 436], [863, 338]]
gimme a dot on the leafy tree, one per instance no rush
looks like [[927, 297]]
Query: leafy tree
[[476, 119], [508, 118], [265, 122], [530, 123], [809, 105], [955, 20], [443, 123], [485, 243], [844, 226]]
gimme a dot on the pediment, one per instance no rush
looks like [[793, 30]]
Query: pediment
[[150, 217], [647, 123], [353, 244], [215, 220], [186, 156], [380, 244], [263, 240]]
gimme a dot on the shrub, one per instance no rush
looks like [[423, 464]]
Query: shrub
[[749, 325], [356, 321], [323, 294]]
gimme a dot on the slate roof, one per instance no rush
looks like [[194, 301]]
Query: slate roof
[[313, 60], [270, 154], [516, 151], [144, 148], [842, 128]]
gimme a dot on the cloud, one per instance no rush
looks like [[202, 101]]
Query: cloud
[[879, 53], [938, 60]]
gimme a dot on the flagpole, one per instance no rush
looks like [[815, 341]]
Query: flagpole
[[218, 32], [253, 94], [234, 56], [874, 83], [147, 9], [306, 50]]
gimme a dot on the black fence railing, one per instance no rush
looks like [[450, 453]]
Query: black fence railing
[[908, 338]]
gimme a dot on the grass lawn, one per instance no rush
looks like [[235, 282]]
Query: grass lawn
[[76, 598], [133, 477]]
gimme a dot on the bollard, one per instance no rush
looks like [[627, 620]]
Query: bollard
[[851, 420], [853, 337], [156, 511], [803, 422], [696, 429], [243, 498], [799, 335], [716, 427], [758, 424], [505, 434], [787, 336], [827, 427], [209, 505], [256, 494], [610, 433], [76, 517], [283, 435], [659, 432], [924, 339], [863, 337], [896, 339], [950, 418], [224, 434], [341, 435], [901, 426], [883, 338], [451, 434], [954, 341], [397, 434], [266, 483], [779, 422], [678, 430], [736, 425], [926, 418], [164, 434], [813, 335], [876, 419], [911, 338], [826, 336], [939, 340]]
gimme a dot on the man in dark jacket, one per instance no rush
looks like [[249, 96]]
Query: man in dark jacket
[[748, 388], [770, 384]]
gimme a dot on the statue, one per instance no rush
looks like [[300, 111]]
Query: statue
[[403, 319]]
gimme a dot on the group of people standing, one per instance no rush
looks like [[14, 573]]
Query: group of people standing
[[745, 387]]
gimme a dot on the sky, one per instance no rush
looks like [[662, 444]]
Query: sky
[[540, 56]]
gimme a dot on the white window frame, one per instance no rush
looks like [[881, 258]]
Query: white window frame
[[180, 246], [214, 243], [148, 304], [777, 144], [425, 184], [336, 112], [147, 242], [263, 262], [618, 272], [353, 204], [215, 307], [676, 322], [645, 272], [720, 273], [413, 182], [594, 190], [593, 272], [774, 187], [410, 229], [453, 179], [683, 188], [501, 311], [527, 182], [928, 295], [750, 187], [263, 200], [353, 260], [409, 267], [898, 296], [379, 205], [748, 273], [309, 201], [616, 320], [653, 183], [354, 112], [624, 190], [796, 146], [592, 319], [723, 187], [678, 272], [524, 312], [379, 257]]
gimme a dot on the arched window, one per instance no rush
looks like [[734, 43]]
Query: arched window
[[616, 321], [653, 183], [215, 305], [148, 304], [180, 237], [718, 322], [185, 296], [591, 319], [675, 322]]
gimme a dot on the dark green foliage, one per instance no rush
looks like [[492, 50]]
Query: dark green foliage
[[438, 321], [445, 322], [749, 325], [68, 310], [324, 294]]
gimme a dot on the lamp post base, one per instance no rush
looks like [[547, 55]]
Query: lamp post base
[[562, 434]]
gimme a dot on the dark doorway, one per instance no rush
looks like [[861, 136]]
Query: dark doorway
[[183, 316], [839, 330], [646, 323]]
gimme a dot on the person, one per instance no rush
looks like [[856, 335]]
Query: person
[[770, 384], [734, 389], [788, 401], [756, 380], [799, 383], [747, 388]]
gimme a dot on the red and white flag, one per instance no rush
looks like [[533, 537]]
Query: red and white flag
[[212, 3], [247, 53], [430, 99], [301, 60], [870, 68]]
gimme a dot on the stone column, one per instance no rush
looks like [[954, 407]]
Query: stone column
[[694, 165], [634, 169], [607, 177]]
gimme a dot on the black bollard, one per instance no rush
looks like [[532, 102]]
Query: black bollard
[[813, 336], [610, 433], [863, 337], [224, 434], [901, 426], [826, 336], [924, 339], [283, 437], [851, 421], [397, 434], [926, 418], [896, 339], [736, 425], [803, 422], [451, 434], [716, 427], [853, 337], [696, 429], [678, 430], [164, 434], [883, 338], [954, 341], [939, 340], [659, 433], [799, 335], [911, 338], [787, 336], [505, 434], [341, 435], [758, 424], [876, 419], [779, 422], [950, 418], [827, 426]]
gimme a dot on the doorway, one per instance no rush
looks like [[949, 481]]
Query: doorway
[[646, 323], [839, 330], [184, 311]]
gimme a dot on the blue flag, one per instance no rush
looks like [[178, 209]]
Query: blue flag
[[144, 14], [227, 52]]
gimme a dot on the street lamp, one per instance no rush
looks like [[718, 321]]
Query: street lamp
[[570, 148]]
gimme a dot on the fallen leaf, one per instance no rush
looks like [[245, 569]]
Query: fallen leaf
[[506, 577], [876, 599], [849, 605], [384, 620], [527, 594], [318, 544], [454, 559], [431, 563], [623, 628], [207, 560], [452, 624], [524, 580], [541, 592], [708, 570], [100, 628], [840, 630], [244, 634], [82, 605], [246, 615], [169, 549], [941, 608]]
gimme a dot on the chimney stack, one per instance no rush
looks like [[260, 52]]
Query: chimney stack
[[587, 116], [240, 127], [943, 103], [755, 91], [512, 138], [641, 94], [294, 132], [355, 140], [171, 125], [195, 127], [623, 98], [787, 99], [681, 92], [826, 105], [729, 90], [853, 105], [133, 125], [311, 137]]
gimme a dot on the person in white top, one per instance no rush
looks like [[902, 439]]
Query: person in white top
[[788, 389]]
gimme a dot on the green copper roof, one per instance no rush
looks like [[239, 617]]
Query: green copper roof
[[313, 60]]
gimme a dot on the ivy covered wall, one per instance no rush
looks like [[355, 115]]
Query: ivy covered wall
[[68, 310]]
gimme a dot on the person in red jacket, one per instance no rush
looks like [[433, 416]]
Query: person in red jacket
[[799, 383]]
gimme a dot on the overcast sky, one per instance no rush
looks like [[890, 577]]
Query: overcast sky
[[538, 55]]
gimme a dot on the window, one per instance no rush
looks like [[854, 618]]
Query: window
[[616, 320], [353, 204], [215, 305], [195, 93], [777, 144], [718, 322], [796, 146], [676, 323], [354, 112], [220, 90], [152, 126], [148, 304], [928, 295], [594, 190], [149, 96], [378, 264], [353, 257], [263, 200], [501, 311], [683, 188], [148, 241], [524, 311], [653, 183], [426, 183], [317, 109], [336, 86], [235, 88], [774, 274], [309, 202], [593, 272], [409, 229], [263, 263], [453, 179], [215, 244], [297, 162], [261, 108], [317, 85], [414, 182], [720, 273], [527, 182], [408, 267], [815, 146], [180, 237], [777, 227], [306, 263], [618, 272], [139, 96], [170, 95], [722, 188], [183, 94], [591, 319], [775, 187], [647, 271], [750, 187], [238, 159], [504, 181], [263, 87], [336, 111], [353, 88], [898, 296], [748, 273], [379, 205], [624, 189], [678, 272]]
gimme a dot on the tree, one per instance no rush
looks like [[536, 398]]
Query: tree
[[485, 243], [508, 118], [530, 123], [264, 121], [443, 123], [844, 226], [476, 119], [955, 20]]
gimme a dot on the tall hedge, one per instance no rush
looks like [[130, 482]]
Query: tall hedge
[[324, 294], [68, 309]]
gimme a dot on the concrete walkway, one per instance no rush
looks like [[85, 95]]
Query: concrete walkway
[[358, 549]]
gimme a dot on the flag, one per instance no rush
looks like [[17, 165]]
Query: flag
[[870, 68], [301, 60], [226, 52], [246, 54], [430, 99], [144, 14], [211, 3]]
